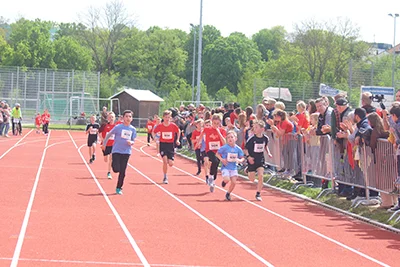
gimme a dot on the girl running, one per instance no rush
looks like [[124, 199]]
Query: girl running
[[107, 150], [214, 139], [230, 154], [124, 138], [46, 121], [156, 137], [92, 130], [38, 122], [168, 131], [149, 128], [255, 147]]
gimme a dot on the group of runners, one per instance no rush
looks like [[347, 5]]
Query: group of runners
[[212, 143]]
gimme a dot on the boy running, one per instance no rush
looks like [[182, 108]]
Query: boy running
[[168, 131], [214, 139], [124, 137], [195, 134], [230, 154], [107, 151], [92, 129], [255, 146], [149, 128], [46, 121]]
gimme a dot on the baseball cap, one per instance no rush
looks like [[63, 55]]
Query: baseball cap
[[342, 102]]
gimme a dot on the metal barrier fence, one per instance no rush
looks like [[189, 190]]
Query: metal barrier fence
[[38, 89]]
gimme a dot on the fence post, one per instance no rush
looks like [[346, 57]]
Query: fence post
[[25, 90], [17, 85], [365, 172], [12, 87], [52, 96], [45, 88], [38, 95], [98, 92]]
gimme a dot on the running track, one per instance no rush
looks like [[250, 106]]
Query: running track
[[56, 210]]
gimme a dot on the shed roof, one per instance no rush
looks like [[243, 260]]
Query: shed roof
[[140, 95]]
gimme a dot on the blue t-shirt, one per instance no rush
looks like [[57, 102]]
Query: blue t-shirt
[[121, 134], [232, 154]]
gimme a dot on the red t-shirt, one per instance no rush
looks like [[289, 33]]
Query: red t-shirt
[[251, 118], [149, 126], [45, 118], [303, 122], [233, 117], [167, 133], [119, 122], [38, 120], [285, 125], [195, 134], [106, 129], [213, 141]]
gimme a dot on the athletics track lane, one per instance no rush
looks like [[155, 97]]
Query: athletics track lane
[[281, 240], [70, 221], [168, 233], [18, 169]]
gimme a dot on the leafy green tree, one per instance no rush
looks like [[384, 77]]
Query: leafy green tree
[[31, 43], [5, 50], [225, 61], [225, 95], [270, 41], [71, 55]]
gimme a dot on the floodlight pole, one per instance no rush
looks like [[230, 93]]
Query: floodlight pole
[[199, 55], [394, 16], [194, 59]]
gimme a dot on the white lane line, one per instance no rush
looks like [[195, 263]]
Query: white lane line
[[24, 226], [115, 212], [16, 144], [105, 263], [280, 216], [240, 244]]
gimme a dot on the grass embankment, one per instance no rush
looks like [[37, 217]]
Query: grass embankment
[[374, 213]]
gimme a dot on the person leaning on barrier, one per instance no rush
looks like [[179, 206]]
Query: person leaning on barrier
[[395, 128], [325, 117]]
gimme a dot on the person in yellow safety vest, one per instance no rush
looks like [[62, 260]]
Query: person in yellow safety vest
[[16, 117]]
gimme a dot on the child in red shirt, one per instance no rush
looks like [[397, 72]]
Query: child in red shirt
[[38, 122], [195, 134], [167, 131], [108, 149], [149, 127], [46, 121], [215, 138]]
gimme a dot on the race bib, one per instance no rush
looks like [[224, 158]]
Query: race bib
[[232, 157], [112, 137], [16, 120], [149, 127], [214, 145], [167, 135], [259, 148], [126, 134], [93, 131]]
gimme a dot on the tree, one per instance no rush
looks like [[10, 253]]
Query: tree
[[326, 48], [71, 55], [31, 43], [5, 51], [270, 42], [225, 96], [225, 61], [103, 29]]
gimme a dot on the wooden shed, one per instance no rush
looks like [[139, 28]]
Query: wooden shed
[[143, 103]]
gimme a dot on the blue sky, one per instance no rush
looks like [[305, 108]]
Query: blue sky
[[247, 17]]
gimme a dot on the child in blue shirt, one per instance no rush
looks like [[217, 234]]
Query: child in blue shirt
[[230, 154], [124, 138]]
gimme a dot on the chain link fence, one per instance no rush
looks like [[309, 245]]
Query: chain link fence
[[38, 89], [361, 74]]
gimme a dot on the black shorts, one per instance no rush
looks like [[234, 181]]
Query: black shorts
[[167, 149], [91, 140], [107, 151], [212, 156], [258, 163], [203, 154]]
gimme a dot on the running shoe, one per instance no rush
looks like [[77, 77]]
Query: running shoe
[[94, 157], [118, 191], [165, 180], [198, 172], [211, 184], [207, 180], [258, 196], [228, 196], [109, 175], [395, 208], [91, 161], [223, 184]]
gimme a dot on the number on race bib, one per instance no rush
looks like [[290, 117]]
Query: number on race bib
[[112, 137], [232, 157], [93, 131], [214, 145], [259, 148], [126, 134], [16, 120], [167, 135]]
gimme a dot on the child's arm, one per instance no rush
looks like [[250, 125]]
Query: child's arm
[[88, 129], [268, 152], [224, 161], [221, 137], [105, 140]]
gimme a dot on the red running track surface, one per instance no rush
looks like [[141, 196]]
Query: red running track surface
[[57, 210]]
